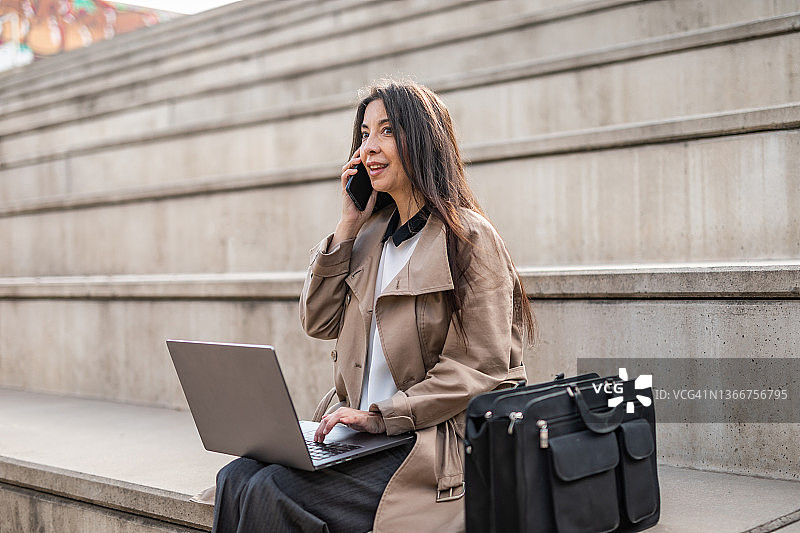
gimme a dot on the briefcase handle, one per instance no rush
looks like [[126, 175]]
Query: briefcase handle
[[603, 422]]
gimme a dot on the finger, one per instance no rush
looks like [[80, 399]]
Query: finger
[[319, 434], [356, 159], [346, 176], [325, 426]]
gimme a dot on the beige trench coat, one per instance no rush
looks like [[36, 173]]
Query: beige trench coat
[[436, 373]]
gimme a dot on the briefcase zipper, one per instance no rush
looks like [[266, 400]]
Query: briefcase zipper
[[513, 416], [544, 427], [544, 434]]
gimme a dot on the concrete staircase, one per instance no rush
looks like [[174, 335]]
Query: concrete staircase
[[640, 157], [157, 462]]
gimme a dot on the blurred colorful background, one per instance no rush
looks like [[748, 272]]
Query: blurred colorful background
[[37, 28]]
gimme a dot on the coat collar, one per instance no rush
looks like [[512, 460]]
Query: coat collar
[[407, 230], [427, 271]]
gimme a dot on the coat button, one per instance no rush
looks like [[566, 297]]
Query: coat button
[[334, 355], [347, 299]]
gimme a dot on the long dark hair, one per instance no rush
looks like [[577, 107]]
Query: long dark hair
[[426, 139]]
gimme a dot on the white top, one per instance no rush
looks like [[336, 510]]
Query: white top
[[378, 383]]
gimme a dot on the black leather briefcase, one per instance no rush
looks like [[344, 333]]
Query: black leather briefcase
[[490, 469], [554, 457]]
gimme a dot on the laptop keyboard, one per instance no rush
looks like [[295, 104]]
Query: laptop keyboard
[[324, 450]]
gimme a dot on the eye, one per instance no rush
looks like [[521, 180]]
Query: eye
[[387, 130], [364, 135]]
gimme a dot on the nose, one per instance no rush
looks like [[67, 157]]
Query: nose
[[370, 145]]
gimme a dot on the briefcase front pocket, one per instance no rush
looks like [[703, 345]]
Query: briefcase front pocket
[[583, 481], [639, 480]]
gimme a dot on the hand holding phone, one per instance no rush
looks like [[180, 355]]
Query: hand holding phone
[[359, 188]]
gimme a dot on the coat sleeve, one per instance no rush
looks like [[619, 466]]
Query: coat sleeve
[[481, 359], [321, 302]]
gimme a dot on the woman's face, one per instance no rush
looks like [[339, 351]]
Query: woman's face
[[379, 153]]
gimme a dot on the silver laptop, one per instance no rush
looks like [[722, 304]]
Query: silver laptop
[[241, 406]]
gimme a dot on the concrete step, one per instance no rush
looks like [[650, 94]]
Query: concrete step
[[657, 311], [252, 46], [74, 465], [236, 26], [644, 72], [307, 29], [555, 198], [179, 88], [257, 27], [69, 462]]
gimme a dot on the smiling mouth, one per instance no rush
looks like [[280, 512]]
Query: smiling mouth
[[376, 168]]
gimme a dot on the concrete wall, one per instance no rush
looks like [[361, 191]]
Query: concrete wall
[[155, 187], [112, 348], [37, 511]]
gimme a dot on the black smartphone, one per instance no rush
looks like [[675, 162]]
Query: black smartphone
[[359, 188]]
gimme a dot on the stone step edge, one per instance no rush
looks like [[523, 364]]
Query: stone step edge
[[778, 523], [431, 41], [744, 280], [682, 129], [505, 73], [73, 513], [151, 502], [175, 508]]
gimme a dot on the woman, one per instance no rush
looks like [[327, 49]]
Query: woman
[[427, 311]]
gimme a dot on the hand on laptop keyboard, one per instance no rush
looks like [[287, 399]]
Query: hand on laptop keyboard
[[320, 450], [354, 419]]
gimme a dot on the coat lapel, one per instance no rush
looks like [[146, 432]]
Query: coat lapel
[[428, 269], [365, 258]]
